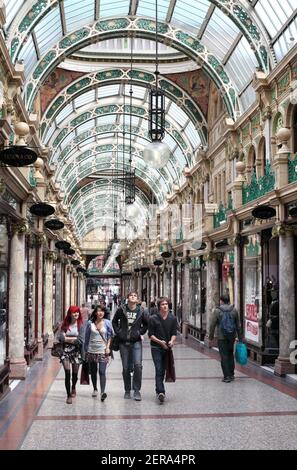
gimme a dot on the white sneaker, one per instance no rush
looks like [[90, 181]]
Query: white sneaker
[[95, 393]]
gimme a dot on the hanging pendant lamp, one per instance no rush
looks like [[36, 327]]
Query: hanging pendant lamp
[[62, 245], [156, 154], [263, 212], [42, 209], [54, 224]]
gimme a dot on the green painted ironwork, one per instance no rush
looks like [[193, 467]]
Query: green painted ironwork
[[32, 179], [259, 187], [221, 216], [292, 169], [179, 235]]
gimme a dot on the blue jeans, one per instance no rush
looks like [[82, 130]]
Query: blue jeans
[[159, 358], [131, 356]]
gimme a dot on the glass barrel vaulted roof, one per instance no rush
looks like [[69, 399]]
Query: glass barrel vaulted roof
[[229, 39]]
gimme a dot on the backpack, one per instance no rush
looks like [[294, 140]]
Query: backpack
[[227, 322]]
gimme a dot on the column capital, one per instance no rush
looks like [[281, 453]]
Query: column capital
[[283, 230]]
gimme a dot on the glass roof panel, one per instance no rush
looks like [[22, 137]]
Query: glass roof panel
[[192, 135], [242, 55], [190, 13], [287, 40], [176, 113], [50, 132], [138, 92], [49, 30], [64, 113], [248, 97], [12, 7], [85, 98], [114, 8], [169, 141], [67, 139], [220, 34], [108, 90], [78, 13], [107, 119], [275, 13], [29, 56], [147, 8], [85, 126]]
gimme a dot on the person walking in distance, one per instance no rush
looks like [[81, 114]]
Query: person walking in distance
[[162, 333], [130, 323], [71, 357], [84, 312], [226, 318], [96, 345]]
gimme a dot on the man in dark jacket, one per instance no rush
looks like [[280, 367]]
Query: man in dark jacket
[[223, 315], [162, 333], [129, 324]]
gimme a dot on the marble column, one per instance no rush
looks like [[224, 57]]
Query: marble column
[[237, 275], [74, 299], [58, 292], [286, 301], [174, 286], [48, 300], [67, 287], [18, 365], [185, 293], [38, 297], [212, 291], [139, 285]]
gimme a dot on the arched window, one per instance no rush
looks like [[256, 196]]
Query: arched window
[[262, 155]]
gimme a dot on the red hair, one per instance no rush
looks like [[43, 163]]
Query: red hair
[[67, 320]]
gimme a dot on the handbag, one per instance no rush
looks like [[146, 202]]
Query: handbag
[[115, 343], [241, 353], [57, 350], [169, 366], [84, 375]]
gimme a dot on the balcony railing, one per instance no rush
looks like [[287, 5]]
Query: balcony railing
[[292, 170], [221, 216], [259, 187]]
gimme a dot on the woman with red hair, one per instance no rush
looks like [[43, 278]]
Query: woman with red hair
[[68, 335]]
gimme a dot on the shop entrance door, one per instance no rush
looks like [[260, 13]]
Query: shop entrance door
[[270, 298]]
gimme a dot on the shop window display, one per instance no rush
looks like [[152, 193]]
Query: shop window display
[[252, 281]]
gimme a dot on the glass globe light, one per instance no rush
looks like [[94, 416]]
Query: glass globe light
[[133, 211], [156, 154]]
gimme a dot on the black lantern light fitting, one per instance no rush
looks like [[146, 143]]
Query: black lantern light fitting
[[54, 224], [293, 211], [62, 245], [42, 209], [263, 212], [158, 262], [69, 251], [17, 155], [75, 262]]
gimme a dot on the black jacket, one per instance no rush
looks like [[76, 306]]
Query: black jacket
[[138, 327]]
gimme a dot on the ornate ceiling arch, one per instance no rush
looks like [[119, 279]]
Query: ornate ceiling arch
[[141, 27], [120, 76], [160, 181], [241, 14]]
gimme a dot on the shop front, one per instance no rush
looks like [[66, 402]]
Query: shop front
[[260, 296], [197, 296]]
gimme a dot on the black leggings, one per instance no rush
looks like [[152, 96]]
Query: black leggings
[[102, 375], [75, 367]]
